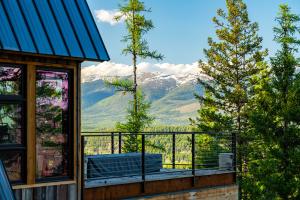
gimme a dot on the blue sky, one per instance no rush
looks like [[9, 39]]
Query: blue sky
[[182, 26]]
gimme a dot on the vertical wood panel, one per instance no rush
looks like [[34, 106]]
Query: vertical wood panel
[[50, 194], [18, 194], [78, 144], [27, 194], [75, 139], [62, 192], [31, 151], [40, 193], [54, 192], [72, 192]]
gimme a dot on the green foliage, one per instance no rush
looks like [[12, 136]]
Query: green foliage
[[174, 108], [169, 129], [123, 85], [49, 143], [274, 115], [231, 62], [135, 123], [210, 118], [207, 151], [137, 26]]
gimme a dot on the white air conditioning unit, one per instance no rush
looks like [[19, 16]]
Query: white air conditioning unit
[[226, 161]]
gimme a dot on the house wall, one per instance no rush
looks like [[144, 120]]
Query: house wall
[[56, 192], [160, 187], [48, 190], [217, 193]]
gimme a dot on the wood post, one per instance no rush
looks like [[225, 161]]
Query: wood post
[[31, 127]]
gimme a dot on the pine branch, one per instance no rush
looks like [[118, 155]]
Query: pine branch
[[123, 85]]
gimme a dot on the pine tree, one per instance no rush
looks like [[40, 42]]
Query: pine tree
[[276, 115], [137, 47], [231, 61], [137, 25], [135, 123]]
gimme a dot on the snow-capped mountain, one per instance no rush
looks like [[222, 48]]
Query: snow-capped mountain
[[171, 95]]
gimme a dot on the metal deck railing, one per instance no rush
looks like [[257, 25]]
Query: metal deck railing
[[110, 158]]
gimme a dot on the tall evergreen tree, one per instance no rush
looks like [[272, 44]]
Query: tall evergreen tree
[[231, 61], [276, 115], [137, 47], [135, 123]]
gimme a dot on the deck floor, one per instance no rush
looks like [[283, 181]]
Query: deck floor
[[164, 174]]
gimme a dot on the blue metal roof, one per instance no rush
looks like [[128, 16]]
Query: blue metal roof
[[64, 28]]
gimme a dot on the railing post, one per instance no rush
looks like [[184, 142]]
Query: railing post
[[112, 143], [120, 143], [82, 167], [193, 158], [143, 163], [173, 150]]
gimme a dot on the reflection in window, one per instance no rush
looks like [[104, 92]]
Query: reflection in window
[[10, 80], [12, 117], [12, 162], [10, 124], [52, 113]]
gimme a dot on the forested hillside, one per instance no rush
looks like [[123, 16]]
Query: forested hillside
[[173, 101]]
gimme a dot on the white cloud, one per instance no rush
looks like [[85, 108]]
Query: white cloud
[[108, 16], [111, 69]]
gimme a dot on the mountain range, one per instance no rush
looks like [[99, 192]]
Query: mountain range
[[171, 96]]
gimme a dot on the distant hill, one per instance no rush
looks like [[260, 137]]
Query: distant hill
[[172, 98]]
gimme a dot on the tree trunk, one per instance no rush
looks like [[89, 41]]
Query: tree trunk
[[134, 60], [135, 86], [239, 154]]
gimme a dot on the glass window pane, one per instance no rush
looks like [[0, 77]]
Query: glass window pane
[[10, 124], [10, 80], [13, 164], [52, 121]]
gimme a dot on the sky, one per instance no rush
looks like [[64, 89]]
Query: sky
[[181, 27]]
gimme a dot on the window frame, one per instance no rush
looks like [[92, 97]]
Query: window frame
[[69, 128], [19, 99]]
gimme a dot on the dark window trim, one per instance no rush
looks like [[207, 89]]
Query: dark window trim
[[23, 155], [7, 147], [70, 127], [18, 99], [11, 99]]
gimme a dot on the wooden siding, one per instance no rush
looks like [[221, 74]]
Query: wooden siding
[[157, 187], [57, 192]]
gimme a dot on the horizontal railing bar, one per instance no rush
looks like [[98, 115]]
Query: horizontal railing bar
[[151, 132], [155, 133]]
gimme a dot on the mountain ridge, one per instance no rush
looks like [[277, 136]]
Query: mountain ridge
[[171, 96]]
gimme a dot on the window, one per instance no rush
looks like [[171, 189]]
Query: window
[[12, 113], [53, 124]]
